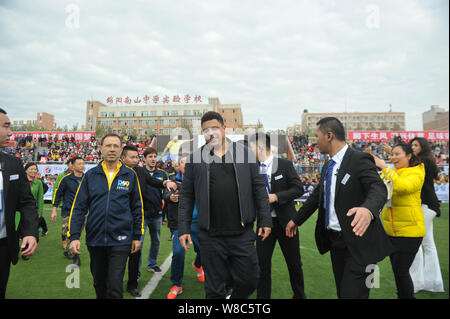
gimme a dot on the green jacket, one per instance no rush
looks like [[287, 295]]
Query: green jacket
[[37, 189]]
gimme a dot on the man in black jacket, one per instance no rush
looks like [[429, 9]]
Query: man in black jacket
[[229, 192], [283, 186], [349, 198], [15, 195], [130, 158]]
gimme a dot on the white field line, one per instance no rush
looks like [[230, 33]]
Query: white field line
[[153, 283]]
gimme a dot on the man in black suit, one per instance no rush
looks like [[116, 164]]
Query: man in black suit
[[349, 197], [283, 186], [15, 195]]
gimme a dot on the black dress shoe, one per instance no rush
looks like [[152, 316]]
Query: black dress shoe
[[134, 292]]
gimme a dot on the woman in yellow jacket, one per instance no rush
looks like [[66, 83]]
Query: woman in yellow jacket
[[402, 217]]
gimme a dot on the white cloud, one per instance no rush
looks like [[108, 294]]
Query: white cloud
[[274, 58]]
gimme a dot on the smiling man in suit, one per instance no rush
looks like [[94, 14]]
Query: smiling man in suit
[[15, 195], [349, 198], [283, 186]]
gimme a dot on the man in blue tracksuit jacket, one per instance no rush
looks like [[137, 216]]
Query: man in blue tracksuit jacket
[[65, 193], [111, 193]]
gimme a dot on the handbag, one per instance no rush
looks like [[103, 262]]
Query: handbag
[[390, 189]]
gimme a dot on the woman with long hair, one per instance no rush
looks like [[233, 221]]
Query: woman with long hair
[[402, 217], [425, 270]]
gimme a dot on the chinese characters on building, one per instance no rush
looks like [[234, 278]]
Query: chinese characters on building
[[155, 99]]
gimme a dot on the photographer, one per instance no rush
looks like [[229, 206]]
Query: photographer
[[177, 270]]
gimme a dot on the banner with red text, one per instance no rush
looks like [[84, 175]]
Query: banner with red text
[[405, 135]]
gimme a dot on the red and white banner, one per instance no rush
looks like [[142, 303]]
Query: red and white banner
[[405, 135], [79, 136]]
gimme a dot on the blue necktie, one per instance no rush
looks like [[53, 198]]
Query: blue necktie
[[266, 179], [328, 175]]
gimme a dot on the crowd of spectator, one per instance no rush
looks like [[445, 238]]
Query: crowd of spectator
[[308, 160]]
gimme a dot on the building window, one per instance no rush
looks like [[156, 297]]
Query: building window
[[112, 114], [144, 113], [174, 113], [123, 114], [187, 112], [153, 113]]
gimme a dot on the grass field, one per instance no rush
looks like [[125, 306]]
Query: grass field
[[45, 274]]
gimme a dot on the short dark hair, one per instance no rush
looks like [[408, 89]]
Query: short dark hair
[[333, 125], [149, 150], [129, 148], [260, 137], [29, 165], [211, 115], [74, 159], [2, 111], [111, 135]]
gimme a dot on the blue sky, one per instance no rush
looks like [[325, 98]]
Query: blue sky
[[274, 58]]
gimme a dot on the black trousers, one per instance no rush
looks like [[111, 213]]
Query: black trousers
[[133, 270], [229, 256], [43, 224], [291, 251], [108, 268], [5, 265], [350, 277], [405, 250]]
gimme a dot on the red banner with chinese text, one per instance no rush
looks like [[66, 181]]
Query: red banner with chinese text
[[79, 136], [405, 135]]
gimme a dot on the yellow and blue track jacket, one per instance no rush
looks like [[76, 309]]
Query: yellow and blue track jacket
[[114, 204], [65, 192]]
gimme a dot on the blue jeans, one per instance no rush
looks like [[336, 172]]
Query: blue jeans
[[177, 271], [154, 225]]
